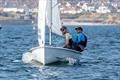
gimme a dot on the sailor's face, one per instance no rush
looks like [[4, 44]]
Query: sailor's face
[[78, 31], [63, 31], [75, 31]]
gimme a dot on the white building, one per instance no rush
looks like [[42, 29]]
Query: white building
[[103, 9], [68, 4], [35, 10], [10, 9], [118, 8], [114, 5], [20, 10], [71, 10], [13, 10], [78, 4], [91, 9], [85, 7]]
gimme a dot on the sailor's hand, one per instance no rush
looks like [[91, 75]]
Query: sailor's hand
[[64, 46]]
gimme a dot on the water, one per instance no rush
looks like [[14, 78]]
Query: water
[[101, 60]]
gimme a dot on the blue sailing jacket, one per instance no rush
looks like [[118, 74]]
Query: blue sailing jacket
[[80, 38]]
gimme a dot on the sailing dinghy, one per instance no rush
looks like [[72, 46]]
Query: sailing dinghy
[[49, 15]]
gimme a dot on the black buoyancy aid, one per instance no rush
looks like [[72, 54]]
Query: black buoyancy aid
[[70, 43]]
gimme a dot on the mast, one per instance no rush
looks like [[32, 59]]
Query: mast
[[50, 28], [41, 22]]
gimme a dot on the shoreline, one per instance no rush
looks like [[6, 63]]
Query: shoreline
[[15, 22], [65, 23], [71, 23]]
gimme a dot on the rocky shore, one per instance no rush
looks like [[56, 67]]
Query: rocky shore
[[92, 19], [72, 23]]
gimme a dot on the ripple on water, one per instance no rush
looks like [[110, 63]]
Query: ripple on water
[[101, 60]]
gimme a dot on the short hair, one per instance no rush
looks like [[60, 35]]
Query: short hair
[[63, 28], [79, 28]]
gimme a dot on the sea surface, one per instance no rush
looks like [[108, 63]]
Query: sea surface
[[101, 60]]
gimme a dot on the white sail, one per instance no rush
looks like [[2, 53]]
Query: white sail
[[55, 15], [41, 22]]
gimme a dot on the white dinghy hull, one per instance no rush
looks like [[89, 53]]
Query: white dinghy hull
[[48, 55]]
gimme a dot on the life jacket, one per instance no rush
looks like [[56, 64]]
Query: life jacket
[[83, 43]]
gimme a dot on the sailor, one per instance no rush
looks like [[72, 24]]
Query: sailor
[[68, 38], [80, 41]]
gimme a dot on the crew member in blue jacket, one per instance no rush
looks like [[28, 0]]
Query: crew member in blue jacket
[[80, 40]]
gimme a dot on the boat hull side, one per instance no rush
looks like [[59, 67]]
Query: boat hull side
[[47, 55]]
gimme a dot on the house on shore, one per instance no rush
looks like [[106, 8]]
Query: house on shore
[[103, 9], [12, 9], [91, 8], [71, 10], [118, 9]]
